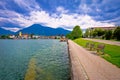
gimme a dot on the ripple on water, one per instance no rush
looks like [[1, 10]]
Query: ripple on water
[[33, 60]]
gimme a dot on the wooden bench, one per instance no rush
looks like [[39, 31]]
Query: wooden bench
[[87, 45], [100, 47], [90, 46]]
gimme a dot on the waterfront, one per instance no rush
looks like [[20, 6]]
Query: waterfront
[[39, 59]]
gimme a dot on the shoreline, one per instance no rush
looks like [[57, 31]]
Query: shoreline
[[74, 66], [71, 72]]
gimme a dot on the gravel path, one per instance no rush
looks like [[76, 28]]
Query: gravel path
[[105, 41], [87, 66]]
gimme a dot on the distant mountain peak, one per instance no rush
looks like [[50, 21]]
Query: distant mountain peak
[[59, 28], [36, 25], [44, 30]]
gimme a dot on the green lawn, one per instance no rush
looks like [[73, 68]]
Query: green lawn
[[112, 52]]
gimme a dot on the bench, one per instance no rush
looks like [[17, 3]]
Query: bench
[[100, 47], [87, 45], [90, 45]]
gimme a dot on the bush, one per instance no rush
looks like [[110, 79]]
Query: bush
[[108, 34], [4, 37], [87, 33], [99, 32], [116, 33]]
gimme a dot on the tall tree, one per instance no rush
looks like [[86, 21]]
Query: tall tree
[[99, 31], [76, 33], [108, 34], [87, 33], [116, 33]]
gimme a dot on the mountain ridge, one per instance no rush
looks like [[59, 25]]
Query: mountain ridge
[[37, 29], [5, 32], [43, 30]]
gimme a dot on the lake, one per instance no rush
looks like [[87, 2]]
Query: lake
[[43, 59]]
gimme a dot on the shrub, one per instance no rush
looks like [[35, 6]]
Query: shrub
[[108, 34], [116, 33]]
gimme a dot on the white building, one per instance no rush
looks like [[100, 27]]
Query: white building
[[12, 36]]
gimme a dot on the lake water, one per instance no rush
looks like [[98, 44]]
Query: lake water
[[34, 60]]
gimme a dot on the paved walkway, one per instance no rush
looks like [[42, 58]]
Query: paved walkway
[[105, 41], [87, 66]]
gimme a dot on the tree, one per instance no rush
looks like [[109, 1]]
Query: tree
[[108, 34], [116, 33], [94, 33], [87, 33], [99, 31], [69, 36], [31, 35], [4, 37], [76, 33]]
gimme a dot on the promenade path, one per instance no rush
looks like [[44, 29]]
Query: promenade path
[[87, 66], [104, 41]]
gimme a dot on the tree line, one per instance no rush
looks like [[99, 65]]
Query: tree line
[[104, 34], [94, 33]]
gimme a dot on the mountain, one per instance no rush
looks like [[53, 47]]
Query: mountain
[[5, 32], [43, 30]]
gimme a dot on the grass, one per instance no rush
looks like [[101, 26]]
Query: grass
[[112, 52]]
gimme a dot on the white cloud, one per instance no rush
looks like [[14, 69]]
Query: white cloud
[[61, 9], [23, 21], [84, 8], [113, 20], [14, 18], [27, 4], [11, 29], [9, 13], [64, 20]]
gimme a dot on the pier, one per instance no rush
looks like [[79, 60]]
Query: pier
[[87, 66]]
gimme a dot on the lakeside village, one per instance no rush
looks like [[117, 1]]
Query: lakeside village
[[31, 36], [92, 32]]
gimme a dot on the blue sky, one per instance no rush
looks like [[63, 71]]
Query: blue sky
[[19, 14]]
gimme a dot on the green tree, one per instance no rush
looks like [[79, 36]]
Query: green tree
[[99, 31], [87, 33], [4, 37], [91, 32], [76, 33], [108, 34], [31, 35], [69, 36], [94, 33], [116, 33]]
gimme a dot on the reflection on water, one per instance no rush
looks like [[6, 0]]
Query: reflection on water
[[33, 60]]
